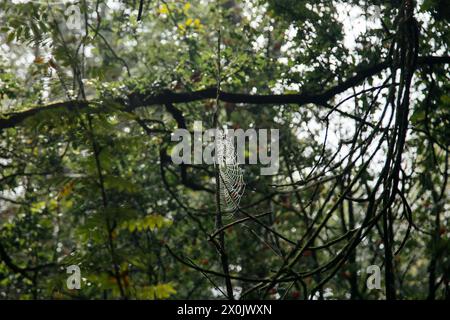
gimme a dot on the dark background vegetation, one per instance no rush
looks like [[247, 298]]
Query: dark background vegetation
[[358, 89]]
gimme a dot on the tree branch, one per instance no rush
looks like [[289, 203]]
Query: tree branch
[[136, 100]]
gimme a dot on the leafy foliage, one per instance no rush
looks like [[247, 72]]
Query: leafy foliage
[[86, 176]]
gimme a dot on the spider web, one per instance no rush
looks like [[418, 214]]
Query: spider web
[[232, 183]]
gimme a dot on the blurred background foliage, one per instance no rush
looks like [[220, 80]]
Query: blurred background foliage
[[91, 186]]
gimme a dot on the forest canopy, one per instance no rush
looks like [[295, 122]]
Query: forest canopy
[[92, 93]]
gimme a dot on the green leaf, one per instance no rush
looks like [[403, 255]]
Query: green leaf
[[120, 184], [418, 116], [149, 222], [10, 37], [159, 291]]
